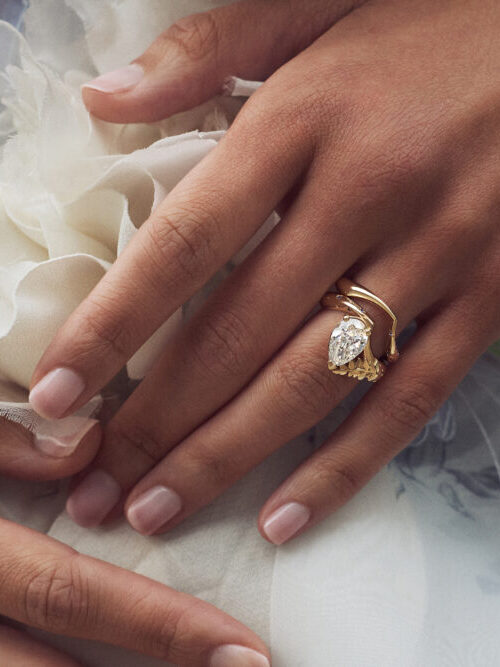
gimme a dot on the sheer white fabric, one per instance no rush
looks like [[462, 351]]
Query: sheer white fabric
[[408, 573]]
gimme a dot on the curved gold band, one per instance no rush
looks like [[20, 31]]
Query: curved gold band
[[350, 289], [350, 350]]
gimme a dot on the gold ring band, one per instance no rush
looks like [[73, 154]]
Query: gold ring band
[[350, 289], [349, 350]]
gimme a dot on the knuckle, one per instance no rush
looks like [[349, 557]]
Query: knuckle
[[341, 479], [299, 125], [101, 327], [304, 387], [173, 638], [389, 170], [328, 111], [389, 146], [197, 36], [56, 596], [221, 342], [219, 468], [137, 437], [165, 637], [181, 244], [412, 407]]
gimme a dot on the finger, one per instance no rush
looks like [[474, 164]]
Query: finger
[[189, 62], [198, 227], [219, 350], [49, 454], [293, 393], [386, 420], [20, 650], [289, 396], [47, 585]]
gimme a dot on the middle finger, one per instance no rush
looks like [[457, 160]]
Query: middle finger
[[291, 394], [219, 350]]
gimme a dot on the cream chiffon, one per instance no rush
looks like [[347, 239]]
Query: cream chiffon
[[408, 573]]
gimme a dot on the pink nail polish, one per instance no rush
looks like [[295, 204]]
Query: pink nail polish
[[233, 655], [59, 439], [56, 392], [286, 521], [117, 81], [93, 499], [153, 509]]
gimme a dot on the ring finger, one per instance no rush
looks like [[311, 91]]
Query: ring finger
[[292, 393], [219, 350]]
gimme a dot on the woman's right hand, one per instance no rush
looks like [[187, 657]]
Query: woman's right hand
[[47, 585]]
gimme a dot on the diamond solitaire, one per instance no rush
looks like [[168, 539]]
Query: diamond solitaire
[[349, 350], [347, 341]]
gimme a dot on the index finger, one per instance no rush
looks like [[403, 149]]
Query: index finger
[[205, 219], [48, 585]]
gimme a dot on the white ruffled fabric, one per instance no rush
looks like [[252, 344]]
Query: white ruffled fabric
[[408, 573], [74, 190]]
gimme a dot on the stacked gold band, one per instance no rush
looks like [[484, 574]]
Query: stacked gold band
[[349, 351]]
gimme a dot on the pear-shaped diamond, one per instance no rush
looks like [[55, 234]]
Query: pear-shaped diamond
[[347, 341]]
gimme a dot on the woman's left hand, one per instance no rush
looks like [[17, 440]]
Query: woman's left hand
[[378, 133]]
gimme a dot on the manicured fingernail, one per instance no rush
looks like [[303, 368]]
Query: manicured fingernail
[[56, 392], [153, 509], [118, 80], [233, 655], [286, 521], [93, 499], [59, 439]]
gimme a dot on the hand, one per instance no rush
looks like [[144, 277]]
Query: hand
[[378, 133], [45, 584]]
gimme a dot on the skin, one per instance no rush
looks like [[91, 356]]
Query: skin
[[47, 585], [377, 133]]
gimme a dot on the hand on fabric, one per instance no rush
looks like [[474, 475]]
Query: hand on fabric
[[377, 134], [45, 584]]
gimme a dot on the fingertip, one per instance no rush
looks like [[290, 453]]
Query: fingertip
[[56, 392], [22, 457], [60, 439], [234, 655], [117, 96], [116, 81], [93, 499], [153, 509], [285, 522], [151, 101]]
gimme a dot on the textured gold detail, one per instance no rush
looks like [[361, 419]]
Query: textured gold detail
[[366, 366], [360, 368]]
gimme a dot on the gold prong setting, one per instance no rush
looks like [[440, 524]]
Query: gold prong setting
[[347, 340], [349, 350]]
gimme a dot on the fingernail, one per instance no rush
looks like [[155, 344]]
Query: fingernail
[[56, 392], [59, 439], [233, 655], [153, 509], [93, 499], [118, 80], [286, 521]]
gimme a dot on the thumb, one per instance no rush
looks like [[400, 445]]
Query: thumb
[[189, 62], [54, 452], [49, 586]]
